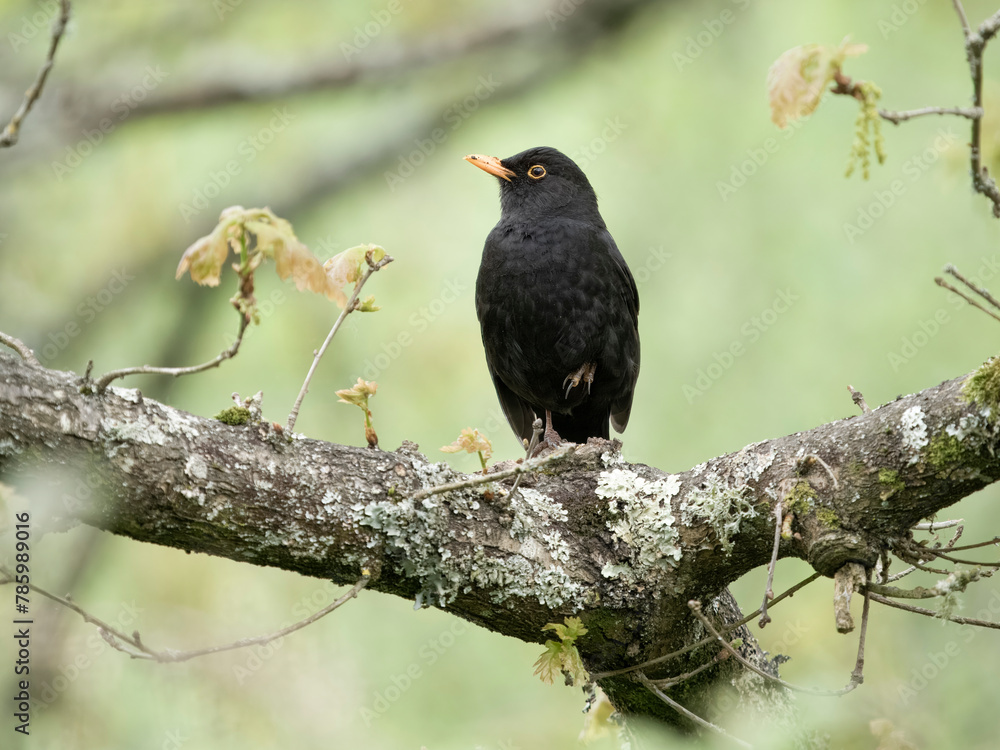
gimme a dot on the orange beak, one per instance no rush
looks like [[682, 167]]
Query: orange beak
[[490, 164]]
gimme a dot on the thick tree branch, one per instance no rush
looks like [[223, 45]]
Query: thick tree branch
[[622, 546]]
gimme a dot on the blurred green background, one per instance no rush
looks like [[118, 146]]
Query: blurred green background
[[664, 106]]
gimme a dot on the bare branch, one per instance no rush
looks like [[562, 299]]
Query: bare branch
[[691, 647], [859, 400], [685, 712], [134, 647], [696, 609], [857, 676], [11, 133], [959, 561], [931, 613], [20, 347], [966, 31], [526, 467], [919, 592], [981, 291], [229, 353], [351, 305], [994, 541], [942, 283], [972, 113], [765, 618], [536, 435]]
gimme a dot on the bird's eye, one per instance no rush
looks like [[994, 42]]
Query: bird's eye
[[537, 172]]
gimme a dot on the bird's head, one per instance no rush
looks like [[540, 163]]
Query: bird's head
[[540, 181]]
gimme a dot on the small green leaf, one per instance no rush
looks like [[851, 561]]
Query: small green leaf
[[562, 655], [549, 664], [368, 304]]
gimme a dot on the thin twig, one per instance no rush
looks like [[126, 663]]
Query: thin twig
[[989, 27], [981, 291], [695, 606], [138, 650], [900, 574], [857, 676], [960, 561], [691, 647], [229, 353], [19, 346], [765, 618], [348, 309], [941, 282], [975, 44], [523, 468], [995, 540], [11, 133], [689, 714], [895, 118], [966, 31], [907, 556], [536, 435], [919, 592], [932, 613], [669, 682], [859, 400], [826, 466]]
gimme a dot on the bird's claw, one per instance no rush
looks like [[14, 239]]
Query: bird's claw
[[585, 373]]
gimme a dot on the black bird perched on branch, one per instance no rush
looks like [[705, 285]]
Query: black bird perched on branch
[[556, 302]]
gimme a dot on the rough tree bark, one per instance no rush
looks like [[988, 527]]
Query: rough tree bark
[[623, 546]]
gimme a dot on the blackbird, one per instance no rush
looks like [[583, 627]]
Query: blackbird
[[556, 302]]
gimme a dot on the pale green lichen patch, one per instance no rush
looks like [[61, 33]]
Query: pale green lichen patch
[[748, 465], [533, 511], [556, 546], [418, 533], [723, 508], [152, 427], [196, 467], [612, 458], [914, 430], [139, 430], [969, 427], [642, 518], [516, 577]]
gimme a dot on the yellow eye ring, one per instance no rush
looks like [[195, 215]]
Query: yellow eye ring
[[537, 172]]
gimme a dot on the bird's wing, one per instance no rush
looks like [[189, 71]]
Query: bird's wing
[[621, 408], [519, 414]]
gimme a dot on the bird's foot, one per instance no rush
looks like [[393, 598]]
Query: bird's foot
[[584, 373], [550, 439]]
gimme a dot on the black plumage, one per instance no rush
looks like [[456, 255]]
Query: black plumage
[[556, 302]]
